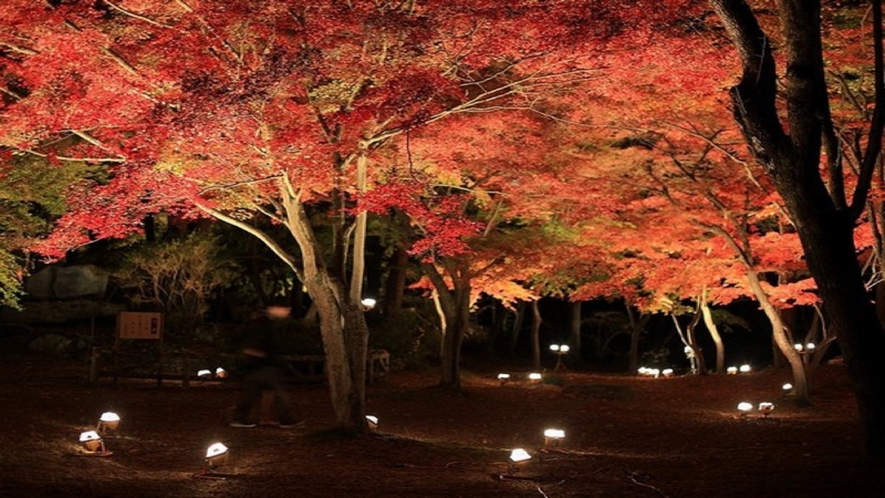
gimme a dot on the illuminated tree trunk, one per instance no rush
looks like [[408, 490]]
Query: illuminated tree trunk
[[819, 209], [635, 331], [342, 324], [536, 335], [714, 333], [453, 306]]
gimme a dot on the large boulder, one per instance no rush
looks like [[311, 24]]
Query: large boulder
[[67, 282]]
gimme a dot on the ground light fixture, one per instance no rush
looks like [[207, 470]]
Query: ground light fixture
[[372, 422], [204, 373], [108, 421], [745, 368], [518, 455], [559, 350], [217, 455], [765, 408], [553, 437], [731, 370], [92, 444], [503, 378], [667, 372], [745, 407], [368, 303], [787, 387], [221, 373], [535, 377]]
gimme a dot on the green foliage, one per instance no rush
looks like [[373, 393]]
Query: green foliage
[[411, 340], [32, 196], [177, 277], [10, 285]]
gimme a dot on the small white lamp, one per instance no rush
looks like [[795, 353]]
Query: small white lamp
[[108, 421], [372, 422], [766, 408], [553, 437], [93, 444]]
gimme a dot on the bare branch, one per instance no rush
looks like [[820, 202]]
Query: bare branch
[[135, 16]]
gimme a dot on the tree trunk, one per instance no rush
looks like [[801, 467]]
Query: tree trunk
[[691, 335], [575, 330], [517, 327], [453, 306], [714, 333], [536, 335], [822, 217], [396, 282], [342, 324], [635, 332]]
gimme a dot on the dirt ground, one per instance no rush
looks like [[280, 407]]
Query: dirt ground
[[626, 436]]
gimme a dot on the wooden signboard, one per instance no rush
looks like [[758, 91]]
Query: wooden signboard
[[139, 325]]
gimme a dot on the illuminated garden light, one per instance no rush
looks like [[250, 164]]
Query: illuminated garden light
[[655, 372], [108, 421], [766, 408], [372, 421], [93, 444], [787, 387], [204, 373], [368, 303], [642, 370], [745, 368], [559, 350], [810, 347], [667, 372], [534, 376], [745, 407], [731, 370], [221, 373], [798, 347], [217, 455], [519, 455], [552, 437]]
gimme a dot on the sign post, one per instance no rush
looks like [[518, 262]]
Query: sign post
[[139, 325]]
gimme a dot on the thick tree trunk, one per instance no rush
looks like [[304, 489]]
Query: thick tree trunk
[[823, 218], [453, 306], [342, 324], [396, 283]]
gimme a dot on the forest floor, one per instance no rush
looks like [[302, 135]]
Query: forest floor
[[626, 436]]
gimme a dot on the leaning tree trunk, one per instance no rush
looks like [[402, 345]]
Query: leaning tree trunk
[[784, 344], [714, 333], [823, 218]]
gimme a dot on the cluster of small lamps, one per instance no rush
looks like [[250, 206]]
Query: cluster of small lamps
[[741, 369], [92, 442], [655, 372], [217, 454]]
